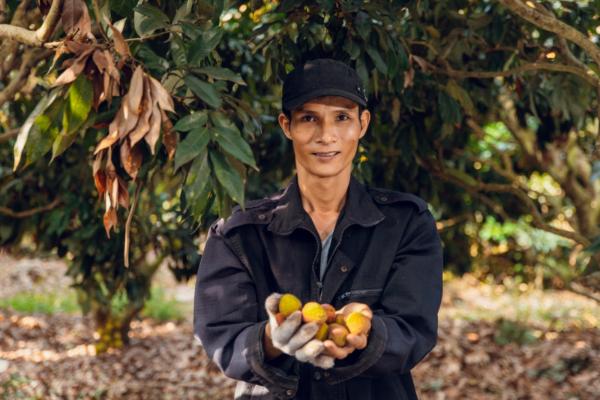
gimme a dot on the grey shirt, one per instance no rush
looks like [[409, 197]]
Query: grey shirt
[[326, 243]]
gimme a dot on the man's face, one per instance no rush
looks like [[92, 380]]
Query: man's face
[[325, 133]]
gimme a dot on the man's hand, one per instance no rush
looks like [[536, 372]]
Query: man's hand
[[290, 335], [353, 341]]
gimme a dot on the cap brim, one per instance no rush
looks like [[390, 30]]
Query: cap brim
[[299, 100]]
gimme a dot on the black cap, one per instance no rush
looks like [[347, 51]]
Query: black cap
[[322, 77]]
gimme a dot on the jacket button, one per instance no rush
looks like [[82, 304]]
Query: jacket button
[[383, 198], [344, 268], [289, 392], [326, 374], [262, 216], [317, 376]]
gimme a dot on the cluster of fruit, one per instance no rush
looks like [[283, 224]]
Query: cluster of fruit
[[332, 325]]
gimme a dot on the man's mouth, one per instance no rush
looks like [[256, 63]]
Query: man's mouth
[[328, 154]]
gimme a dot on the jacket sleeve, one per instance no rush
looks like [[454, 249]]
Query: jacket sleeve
[[226, 320], [404, 328]]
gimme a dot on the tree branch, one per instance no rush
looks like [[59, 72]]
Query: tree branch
[[539, 18], [592, 80], [30, 59], [38, 37], [28, 213], [474, 186]]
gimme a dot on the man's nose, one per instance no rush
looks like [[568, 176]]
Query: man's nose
[[326, 133]]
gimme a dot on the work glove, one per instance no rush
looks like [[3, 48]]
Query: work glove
[[294, 338]]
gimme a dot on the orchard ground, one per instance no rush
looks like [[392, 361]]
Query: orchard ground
[[504, 341]]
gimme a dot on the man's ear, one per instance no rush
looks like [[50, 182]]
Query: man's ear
[[365, 118], [284, 123]]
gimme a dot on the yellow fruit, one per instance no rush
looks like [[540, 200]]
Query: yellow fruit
[[313, 312], [288, 303], [339, 319], [338, 333], [279, 317], [322, 332], [330, 312], [357, 323]]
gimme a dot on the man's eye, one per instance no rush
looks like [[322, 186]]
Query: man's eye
[[307, 118], [343, 117]]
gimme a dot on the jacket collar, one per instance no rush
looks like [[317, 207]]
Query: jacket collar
[[289, 214]]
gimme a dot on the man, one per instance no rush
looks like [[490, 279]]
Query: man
[[325, 238]]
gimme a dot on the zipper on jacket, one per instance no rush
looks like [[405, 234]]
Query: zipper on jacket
[[319, 283]]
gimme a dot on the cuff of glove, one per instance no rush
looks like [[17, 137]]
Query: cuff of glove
[[280, 375], [366, 358]]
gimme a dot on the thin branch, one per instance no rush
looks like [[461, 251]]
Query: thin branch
[[28, 213], [38, 37], [582, 291], [136, 197], [30, 59], [50, 22], [476, 187], [532, 13], [535, 66]]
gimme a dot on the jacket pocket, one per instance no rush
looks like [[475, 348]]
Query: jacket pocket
[[359, 294]]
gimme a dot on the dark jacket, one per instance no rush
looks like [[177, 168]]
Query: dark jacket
[[385, 252]]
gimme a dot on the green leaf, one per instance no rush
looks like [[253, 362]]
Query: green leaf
[[190, 147], [151, 60], [460, 95], [178, 50], [221, 73], [351, 49], [79, 104], [203, 90], [228, 177], [198, 185], [204, 44], [377, 60], [191, 121], [449, 108], [147, 19], [76, 111], [27, 126], [232, 142]]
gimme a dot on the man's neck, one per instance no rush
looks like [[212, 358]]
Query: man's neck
[[323, 195]]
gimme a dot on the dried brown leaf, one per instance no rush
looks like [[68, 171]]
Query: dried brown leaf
[[131, 158], [169, 138], [113, 133], [72, 11], [74, 67], [100, 60], [123, 193], [120, 43], [70, 74], [83, 27], [161, 95], [136, 90], [111, 68], [110, 220], [154, 132]]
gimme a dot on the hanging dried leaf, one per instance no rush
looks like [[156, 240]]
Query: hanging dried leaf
[[113, 133], [123, 197], [143, 126], [169, 138], [99, 175], [120, 43], [160, 94], [154, 133], [110, 220], [136, 90], [83, 27], [70, 74], [131, 158], [72, 11]]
